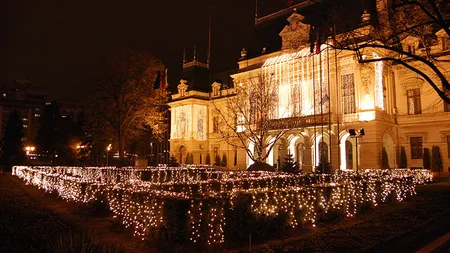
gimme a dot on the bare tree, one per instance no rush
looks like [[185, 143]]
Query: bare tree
[[246, 114], [126, 99], [414, 21]]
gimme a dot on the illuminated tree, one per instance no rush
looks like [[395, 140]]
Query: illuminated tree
[[404, 35], [248, 116], [126, 99]]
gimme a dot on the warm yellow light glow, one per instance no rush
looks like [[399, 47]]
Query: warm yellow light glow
[[367, 116], [109, 147]]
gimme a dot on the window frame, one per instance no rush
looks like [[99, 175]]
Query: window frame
[[414, 94], [416, 146]]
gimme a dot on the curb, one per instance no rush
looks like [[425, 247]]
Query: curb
[[436, 244]]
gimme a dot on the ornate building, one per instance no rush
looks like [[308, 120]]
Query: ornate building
[[322, 98]]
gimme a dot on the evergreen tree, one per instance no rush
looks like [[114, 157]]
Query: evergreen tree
[[324, 167], [12, 147], [436, 159], [187, 160], [217, 162], [173, 161], [290, 165], [426, 158], [191, 158], [402, 162], [384, 159], [208, 159], [224, 160]]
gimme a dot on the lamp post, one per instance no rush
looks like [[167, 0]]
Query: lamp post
[[29, 150], [108, 148], [355, 134]]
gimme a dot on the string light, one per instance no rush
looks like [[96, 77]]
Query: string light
[[140, 204]]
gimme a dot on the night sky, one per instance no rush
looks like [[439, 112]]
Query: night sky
[[59, 45]]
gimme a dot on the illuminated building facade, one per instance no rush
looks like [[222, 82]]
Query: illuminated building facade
[[323, 95]]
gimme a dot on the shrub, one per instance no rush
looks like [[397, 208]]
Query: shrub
[[426, 158], [324, 167], [436, 159], [384, 159], [258, 166], [217, 161], [173, 161], [290, 165], [402, 162], [224, 160], [208, 159], [85, 242]]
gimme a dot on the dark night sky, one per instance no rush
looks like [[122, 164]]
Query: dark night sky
[[59, 45]]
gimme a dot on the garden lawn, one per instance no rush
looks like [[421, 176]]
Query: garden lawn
[[32, 220]]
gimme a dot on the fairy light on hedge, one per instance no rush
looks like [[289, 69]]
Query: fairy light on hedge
[[141, 198]]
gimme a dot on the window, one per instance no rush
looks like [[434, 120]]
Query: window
[[411, 49], [416, 147], [445, 44], [215, 124], [348, 94], [414, 106]]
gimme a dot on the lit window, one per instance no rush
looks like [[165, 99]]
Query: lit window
[[4, 94], [348, 94], [64, 116], [37, 115], [25, 119], [414, 106], [25, 126], [47, 103], [416, 147]]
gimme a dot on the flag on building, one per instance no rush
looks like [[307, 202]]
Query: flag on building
[[325, 99], [163, 78]]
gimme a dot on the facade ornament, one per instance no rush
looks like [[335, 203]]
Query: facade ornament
[[296, 33], [365, 17], [243, 53]]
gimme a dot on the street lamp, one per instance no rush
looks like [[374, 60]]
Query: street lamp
[[108, 148], [355, 134], [29, 150]]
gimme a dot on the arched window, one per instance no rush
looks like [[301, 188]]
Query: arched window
[[349, 154]]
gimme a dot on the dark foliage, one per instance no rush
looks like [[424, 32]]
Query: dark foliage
[[173, 161], [384, 159], [12, 146], [217, 161], [208, 159], [436, 159], [223, 163], [426, 158], [260, 167], [402, 162], [86, 243], [290, 165], [324, 167]]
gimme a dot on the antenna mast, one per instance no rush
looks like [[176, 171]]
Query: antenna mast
[[208, 60]]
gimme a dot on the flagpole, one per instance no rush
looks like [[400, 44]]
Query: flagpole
[[314, 111]]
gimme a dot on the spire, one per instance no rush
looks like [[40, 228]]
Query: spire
[[208, 59], [256, 10], [184, 55]]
